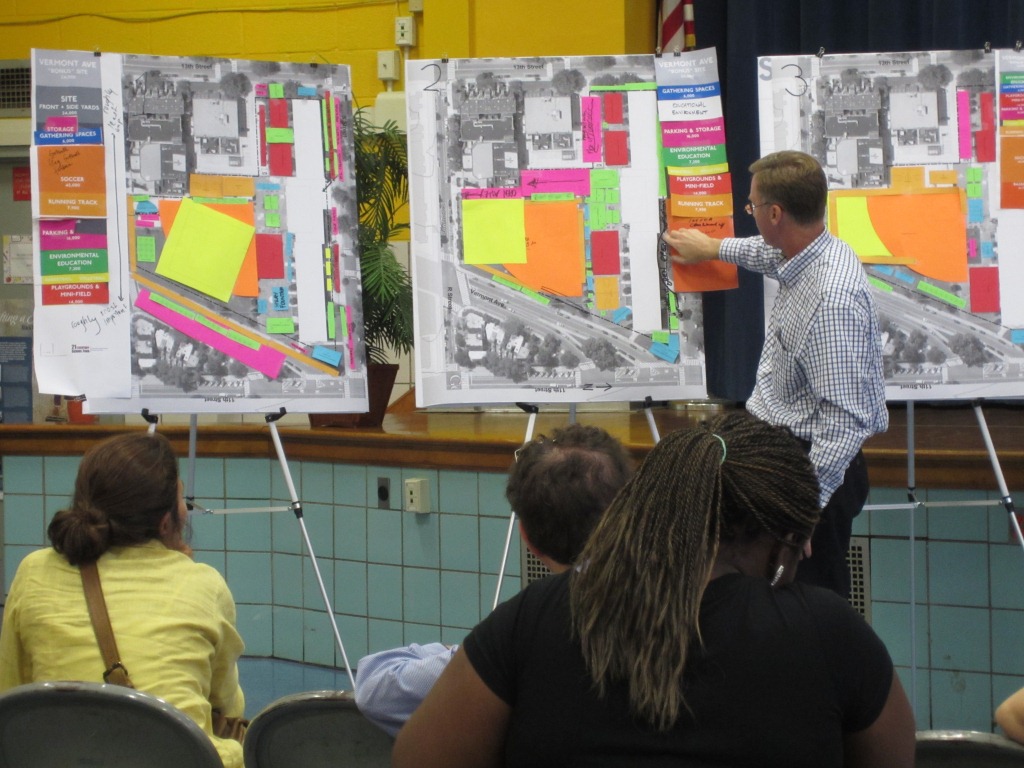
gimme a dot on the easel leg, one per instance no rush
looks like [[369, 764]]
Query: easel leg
[[912, 500], [648, 405], [531, 422], [296, 506], [1004, 493], [190, 482]]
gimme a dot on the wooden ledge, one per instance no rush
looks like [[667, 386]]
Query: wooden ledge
[[949, 447]]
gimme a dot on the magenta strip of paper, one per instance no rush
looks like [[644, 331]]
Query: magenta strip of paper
[[68, 242], [591, 108], [351, 336], [574, 180], [963, 119], [693, 133], [492, 193], [266, 360]]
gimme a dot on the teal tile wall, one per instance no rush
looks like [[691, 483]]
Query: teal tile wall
[[968, 621], [394, 578]]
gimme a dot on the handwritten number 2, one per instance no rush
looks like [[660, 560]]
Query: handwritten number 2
[[437, 76], [799, 76]]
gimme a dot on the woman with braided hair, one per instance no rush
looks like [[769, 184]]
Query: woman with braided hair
[[681, 638]]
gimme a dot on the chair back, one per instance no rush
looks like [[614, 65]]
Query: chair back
[[967, 748], [314, 729], [68, 724]]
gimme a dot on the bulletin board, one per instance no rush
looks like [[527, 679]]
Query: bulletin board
[[194, 225], [539, 189], [924, 153]]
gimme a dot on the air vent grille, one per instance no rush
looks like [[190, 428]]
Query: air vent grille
[[858, 557], [15, 90]]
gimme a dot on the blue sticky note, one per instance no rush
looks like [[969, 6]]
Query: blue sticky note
[[975, 210], [988, 250], [327, 355], [668, 352], [261, 306], [280, 298]]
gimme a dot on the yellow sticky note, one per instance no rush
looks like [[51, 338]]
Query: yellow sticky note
[[494, 231], [205, 250]]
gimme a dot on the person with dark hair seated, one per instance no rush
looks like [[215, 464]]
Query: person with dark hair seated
[[680, 638], [557, 487], [173, 619]]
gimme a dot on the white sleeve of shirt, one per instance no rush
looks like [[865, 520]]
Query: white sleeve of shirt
[[391, 684]]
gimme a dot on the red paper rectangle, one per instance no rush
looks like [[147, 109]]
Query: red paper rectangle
[[984, 289], [985, 145], [76, 293], [269, 256], [278, 113], [281, 160], [21, 183], [616, 148], [261, 119], [604, 252], [988, 110], [612, 108]]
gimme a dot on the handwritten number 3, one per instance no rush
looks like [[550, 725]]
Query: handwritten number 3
[[799, 76]]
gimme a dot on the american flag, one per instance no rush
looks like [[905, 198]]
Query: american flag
[[675, 26]]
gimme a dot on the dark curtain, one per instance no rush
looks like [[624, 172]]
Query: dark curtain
[[743, 30]]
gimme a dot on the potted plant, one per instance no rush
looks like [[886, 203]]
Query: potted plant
[[382, 190]]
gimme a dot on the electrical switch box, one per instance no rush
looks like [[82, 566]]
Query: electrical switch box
[[387, 65], [405, 31], [417, 495]]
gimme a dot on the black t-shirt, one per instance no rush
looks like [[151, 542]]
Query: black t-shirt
[[782, 676]]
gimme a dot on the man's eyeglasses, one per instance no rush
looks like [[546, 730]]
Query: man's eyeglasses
[[539, 440], [750, 207]]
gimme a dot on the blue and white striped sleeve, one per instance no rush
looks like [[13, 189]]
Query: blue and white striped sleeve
[[391, 684]]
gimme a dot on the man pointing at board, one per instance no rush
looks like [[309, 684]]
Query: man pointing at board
[[820, 372]]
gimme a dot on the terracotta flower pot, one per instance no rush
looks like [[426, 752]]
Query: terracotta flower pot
[[380, 380]]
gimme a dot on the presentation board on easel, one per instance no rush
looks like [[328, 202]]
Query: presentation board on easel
[[195, 223], [924, 153], [539, 188]]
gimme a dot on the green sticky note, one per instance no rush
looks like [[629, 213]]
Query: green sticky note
[[271, 203], [273, 219], [280, 325], [280, 135], [276, 91], [974, 189], [661, 337], [604, 177], [205, 250], [975, 174], [145, 248]]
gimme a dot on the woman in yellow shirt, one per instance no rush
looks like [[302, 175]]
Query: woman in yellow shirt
[[173, 618]]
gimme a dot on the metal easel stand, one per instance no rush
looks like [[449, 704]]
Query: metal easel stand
[[914, 504], [295, 507], [531, 422]]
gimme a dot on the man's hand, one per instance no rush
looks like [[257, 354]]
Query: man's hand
[[691, 245]]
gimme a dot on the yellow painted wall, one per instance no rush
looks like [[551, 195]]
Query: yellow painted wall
[[338, 32]]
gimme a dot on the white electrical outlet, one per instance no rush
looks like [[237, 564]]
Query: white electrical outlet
[[417, 495], [387, 65], [405, 31]]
